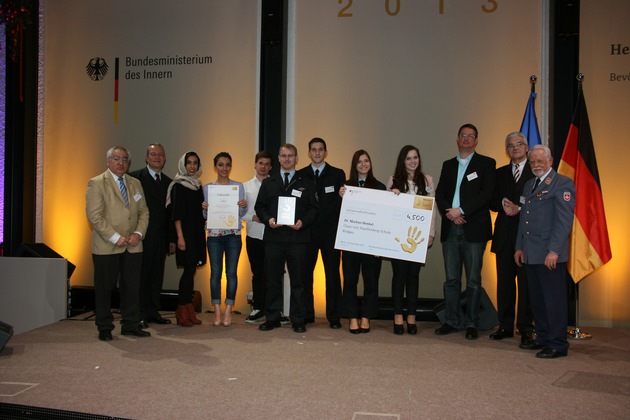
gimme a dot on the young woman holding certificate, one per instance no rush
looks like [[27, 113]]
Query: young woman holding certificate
[[224, 239], [408, 179], [354, 262]]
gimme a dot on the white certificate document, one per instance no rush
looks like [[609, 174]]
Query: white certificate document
[[286, 211], [222, 206], [382, 223]]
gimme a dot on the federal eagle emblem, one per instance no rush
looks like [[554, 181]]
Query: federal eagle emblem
[[97, 68]]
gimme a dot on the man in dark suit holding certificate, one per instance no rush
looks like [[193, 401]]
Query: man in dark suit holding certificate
[[286, 242], [542, 245]]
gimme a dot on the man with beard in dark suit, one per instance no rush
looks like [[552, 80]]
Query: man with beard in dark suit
[[506, 202], [159, 239]]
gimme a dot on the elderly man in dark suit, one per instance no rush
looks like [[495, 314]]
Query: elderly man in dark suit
[[506, 202], [542, 245], [117, 210], [463, 198], [160, 237]]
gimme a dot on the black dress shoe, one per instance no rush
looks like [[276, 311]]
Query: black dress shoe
[[143, 324], [399, 329], [335, 325], [269, 325], [500, 334], [160, 320], [412, 329], [549, 353], [530, 345], [365, 330], [105, 335], [355, 331], [445, 329], [527, 336], [138, 332], [299, 327], [471, 333]]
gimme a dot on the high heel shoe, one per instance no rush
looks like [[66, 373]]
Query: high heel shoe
[[399, 329], [217, 316], [412, 329], [227, 316], [354, 330], [363, 329], [182, 316], [192, 316]]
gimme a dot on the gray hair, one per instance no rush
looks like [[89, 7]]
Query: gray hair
[[541, 147], [110, 151], [514, 134]]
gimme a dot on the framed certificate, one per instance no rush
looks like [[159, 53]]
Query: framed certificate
[[286, 211], [222, 206]]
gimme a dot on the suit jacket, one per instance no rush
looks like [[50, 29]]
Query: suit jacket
[[505, 227], [107, 213], [546, 218], [331, 179], [160, 224], [306, 207], [475, 194]]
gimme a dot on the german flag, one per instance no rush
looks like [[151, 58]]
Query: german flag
[[590, 246]]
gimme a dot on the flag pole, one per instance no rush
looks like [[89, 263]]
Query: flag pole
[[532, 81], [576, 333]]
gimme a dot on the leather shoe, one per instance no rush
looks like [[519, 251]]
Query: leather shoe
[[399, 329], [138, 332], [299, 327], [354, 331], [269, 325], [160, 320], [527, 336], [530, 345], [471, 333], [143, 324], [412, 329], [105, 335], [445, 329], [335, 325], [549, 353], [500, 334]]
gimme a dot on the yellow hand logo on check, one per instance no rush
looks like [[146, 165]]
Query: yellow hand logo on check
[[230, 221], [412, 240]]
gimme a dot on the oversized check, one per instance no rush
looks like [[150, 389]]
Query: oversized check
[[382, 223], [222, 206]]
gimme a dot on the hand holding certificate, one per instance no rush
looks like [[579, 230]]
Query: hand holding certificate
[[382, 223], [222, 206]]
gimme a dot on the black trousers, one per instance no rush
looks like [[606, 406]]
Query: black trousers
[[369, 267], [507, 273], [110, 269], [276, 255], [331, 258], [256, 254], [153, 259], [405, 284]]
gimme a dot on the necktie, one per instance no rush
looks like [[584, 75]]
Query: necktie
[[157, 178], [517, 173], [286, 179], [361, 183], [123, 190], [316, 178], [536, 184]]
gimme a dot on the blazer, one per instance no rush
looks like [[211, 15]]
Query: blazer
[[505, 227], [160, 224], [475, 194], [107, 213], [546, 218], [306, 207], [331, 179]]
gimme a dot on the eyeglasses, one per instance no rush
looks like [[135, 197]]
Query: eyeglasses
[[286, 156], [467, 136], [517, 144], [120, 159]]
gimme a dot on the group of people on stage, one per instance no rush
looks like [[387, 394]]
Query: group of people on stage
[[140, 217]]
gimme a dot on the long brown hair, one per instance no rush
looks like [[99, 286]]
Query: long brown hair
[[400, 173], [370, 180]]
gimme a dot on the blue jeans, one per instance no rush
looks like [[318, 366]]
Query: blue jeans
[[458, 254], [230, 246]]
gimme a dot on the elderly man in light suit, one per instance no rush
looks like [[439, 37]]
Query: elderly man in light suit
[[117, 210], [542, 244]]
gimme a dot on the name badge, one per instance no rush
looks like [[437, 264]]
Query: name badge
[[472, 176], [137, 197], [522, 199], [330, 189], [296, 193]]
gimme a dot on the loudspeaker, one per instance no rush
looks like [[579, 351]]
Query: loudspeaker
[[42, 251], [6, 331], [488, 317]]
